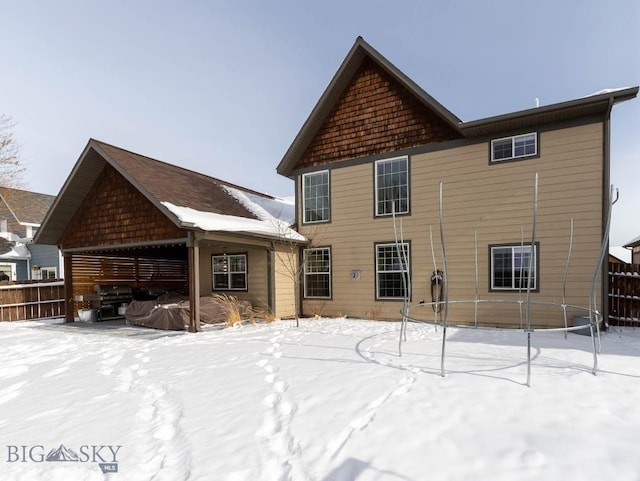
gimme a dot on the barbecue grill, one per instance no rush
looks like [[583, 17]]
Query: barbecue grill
[[110, 297]]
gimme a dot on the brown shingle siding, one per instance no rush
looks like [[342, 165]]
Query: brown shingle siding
[[375, 114], [114, 212]]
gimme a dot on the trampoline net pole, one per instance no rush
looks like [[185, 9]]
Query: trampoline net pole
[[445, 286], [564, 281], [529, 275]]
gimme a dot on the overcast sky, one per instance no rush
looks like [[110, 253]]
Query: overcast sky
[[223, 87]]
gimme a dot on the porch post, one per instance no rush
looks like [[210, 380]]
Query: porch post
[[193, 251], [68, 287]]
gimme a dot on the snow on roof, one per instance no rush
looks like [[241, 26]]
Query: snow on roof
[[633, 242], [266, 225], [18, 250], [621, 253], [606, 91], [265, 208]]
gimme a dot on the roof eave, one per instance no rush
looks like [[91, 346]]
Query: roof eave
[[595, 104], [634, 243], [45, 234]]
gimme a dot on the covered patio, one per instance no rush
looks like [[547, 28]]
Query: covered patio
[[123, 219]]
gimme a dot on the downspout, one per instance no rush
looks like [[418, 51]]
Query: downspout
[[606, 189]]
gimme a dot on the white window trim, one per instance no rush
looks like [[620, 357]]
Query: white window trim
[[11, 268], [534, 264], [48, 269], [375, 182], [304, 199], [407, 270], [513, 147], [228, 273]]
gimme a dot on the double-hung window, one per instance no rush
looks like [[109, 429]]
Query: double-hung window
[[229, 272], [392, 186], [392, 270], [510, 266], [315, 197], [317, 272], [518, 146]]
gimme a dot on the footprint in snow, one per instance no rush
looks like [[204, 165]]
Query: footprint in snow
[[262, 362]]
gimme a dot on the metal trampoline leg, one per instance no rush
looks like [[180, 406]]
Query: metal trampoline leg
[[402, 337], [444, 338], [595, 351], [529, 359]]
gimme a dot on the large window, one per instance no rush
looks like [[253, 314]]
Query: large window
[[317, 272], [510, 267], [229, 272], [315, 197], [392, 186], [392, 270], [515, 147]]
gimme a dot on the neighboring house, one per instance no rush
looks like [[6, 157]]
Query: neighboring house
[[377, 144], [619, 255], [634, 246], [123, 219], [21, 213]]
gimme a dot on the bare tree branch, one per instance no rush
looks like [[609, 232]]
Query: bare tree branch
[[11, 168]]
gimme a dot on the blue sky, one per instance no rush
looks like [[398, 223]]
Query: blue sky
[[222, 87]]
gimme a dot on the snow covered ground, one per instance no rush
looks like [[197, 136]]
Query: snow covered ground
[[327, 401]]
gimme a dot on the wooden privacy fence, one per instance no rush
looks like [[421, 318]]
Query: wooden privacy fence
[[31, 300], [624, 294]]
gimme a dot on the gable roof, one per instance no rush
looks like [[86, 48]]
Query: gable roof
[[27, 207], [595, 104], [360, 51], [168, 187]]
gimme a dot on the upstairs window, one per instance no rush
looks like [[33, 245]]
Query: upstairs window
[[229, 272], [315, 197], [510, 267], [392, 186], [515, 147]]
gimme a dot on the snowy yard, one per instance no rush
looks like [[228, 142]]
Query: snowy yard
[[328, 401]]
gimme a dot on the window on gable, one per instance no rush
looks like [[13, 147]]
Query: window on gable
[[515, 147], [510, 267], [392, 186], [315, 197], [317, 272], [229, 272], [392, 270]]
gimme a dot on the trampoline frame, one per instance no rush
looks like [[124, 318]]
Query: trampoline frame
[[441, 307]]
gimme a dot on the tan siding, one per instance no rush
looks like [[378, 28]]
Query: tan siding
[[496, 200], [285, 265], [257, 274]]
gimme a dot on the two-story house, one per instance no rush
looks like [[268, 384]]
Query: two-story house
[[21, 213], [377, 146]]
